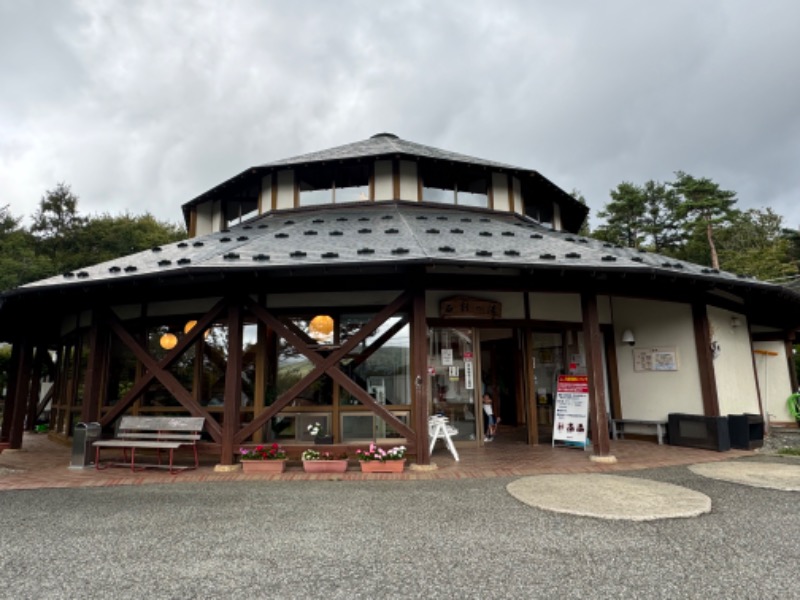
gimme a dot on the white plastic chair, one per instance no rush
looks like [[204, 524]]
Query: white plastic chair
[[438, 429]]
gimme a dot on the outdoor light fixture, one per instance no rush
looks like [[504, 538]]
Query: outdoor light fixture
[[321, 325], [627, 337], [190, 325], [735, 322], [168, 341]]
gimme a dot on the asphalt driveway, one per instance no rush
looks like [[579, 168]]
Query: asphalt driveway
[[385, 539]]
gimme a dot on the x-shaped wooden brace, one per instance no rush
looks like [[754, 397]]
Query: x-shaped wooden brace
[[325, 365], [158, 370]]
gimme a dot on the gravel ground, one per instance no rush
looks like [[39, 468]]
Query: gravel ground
[[382, 539]]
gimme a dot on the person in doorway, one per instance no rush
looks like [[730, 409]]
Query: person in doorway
[[490, 419]]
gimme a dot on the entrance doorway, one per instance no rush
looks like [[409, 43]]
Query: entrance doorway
[[502, 367]]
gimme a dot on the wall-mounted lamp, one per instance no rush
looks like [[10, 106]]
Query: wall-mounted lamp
[[735, 322], [627, 337]]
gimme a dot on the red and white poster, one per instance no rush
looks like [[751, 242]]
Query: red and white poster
[[572, 409]]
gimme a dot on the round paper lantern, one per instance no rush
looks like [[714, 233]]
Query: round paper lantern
[[321, 326], [168, 341]]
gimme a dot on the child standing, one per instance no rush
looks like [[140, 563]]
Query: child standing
[[491, 420]]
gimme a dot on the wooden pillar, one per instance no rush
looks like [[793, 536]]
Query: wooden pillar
[[233, 384], [592, 338], [8, 408], [95, 375], [705, 360], [419, 375], [790, 338], [20, 394]]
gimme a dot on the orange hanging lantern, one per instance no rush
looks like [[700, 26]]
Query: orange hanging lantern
[[320, 327], [168, 341]]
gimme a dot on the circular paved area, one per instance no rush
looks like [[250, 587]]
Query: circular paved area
[[609, 497], [774, 476]]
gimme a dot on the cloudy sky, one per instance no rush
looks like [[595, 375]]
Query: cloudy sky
[[143, 105]]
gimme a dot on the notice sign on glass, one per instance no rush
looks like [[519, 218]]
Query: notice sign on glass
[[572, 409]]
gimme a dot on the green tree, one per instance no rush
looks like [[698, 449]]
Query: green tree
[[106, 237], [704, 206], [624, 216], [661, 222], [55, 225], [19, 261], [754, 244], [584, 230]]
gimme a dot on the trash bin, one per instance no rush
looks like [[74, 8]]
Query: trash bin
[[747, 431], [82, 437]]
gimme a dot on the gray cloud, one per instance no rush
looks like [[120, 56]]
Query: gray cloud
[[142, 106]]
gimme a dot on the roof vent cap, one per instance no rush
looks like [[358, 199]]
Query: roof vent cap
[[384, 134]]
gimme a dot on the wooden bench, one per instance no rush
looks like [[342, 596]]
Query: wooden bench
[[152, 433], [618, 428]]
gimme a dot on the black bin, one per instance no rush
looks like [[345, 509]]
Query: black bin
[[746, 431], [699, 431]]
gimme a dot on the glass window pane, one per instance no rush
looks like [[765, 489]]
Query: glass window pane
[[452, 383]]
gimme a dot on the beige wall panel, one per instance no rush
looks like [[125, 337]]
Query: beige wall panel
[[518, 205], [409, 188], [127, 311], [557, 224], [513, 306], [330, 299], [181, 307], [651, 394], [384, 181], [205, 222], [774, 380], [556, 307], [285, 190], [500, 191], [733, 368], [265, 199]]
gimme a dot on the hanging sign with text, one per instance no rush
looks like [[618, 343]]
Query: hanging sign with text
[[572, 409]]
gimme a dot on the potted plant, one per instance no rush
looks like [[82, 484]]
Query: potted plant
[[378, 460], [315, 461], [793, 404], [315, 429], [263, 459]]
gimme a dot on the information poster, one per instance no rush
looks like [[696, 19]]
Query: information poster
[[572, 409]]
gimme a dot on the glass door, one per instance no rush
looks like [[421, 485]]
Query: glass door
[[548, 364], [452, 378]]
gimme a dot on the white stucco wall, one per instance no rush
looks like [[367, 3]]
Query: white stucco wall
[[557, 224], [371, 298], [513, 303], [733, 368], [409, 182], [652, 394], [285, 190], [774, 380], [181, 307], [515, 186], [265, 198], [384, 180], [203, 219], [500, 192]]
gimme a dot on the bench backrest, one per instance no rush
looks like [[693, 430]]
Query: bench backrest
[[185, 424], [176, 429]]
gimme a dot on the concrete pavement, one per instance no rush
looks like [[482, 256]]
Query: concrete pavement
[[388, 539]]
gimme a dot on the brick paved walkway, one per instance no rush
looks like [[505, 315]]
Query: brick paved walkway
[[43, 464]]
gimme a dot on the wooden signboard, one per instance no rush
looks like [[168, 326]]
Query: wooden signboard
[[464, 306]]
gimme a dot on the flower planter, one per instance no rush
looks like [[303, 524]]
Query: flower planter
[[376, 466], [325, 466], [263, 466]]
